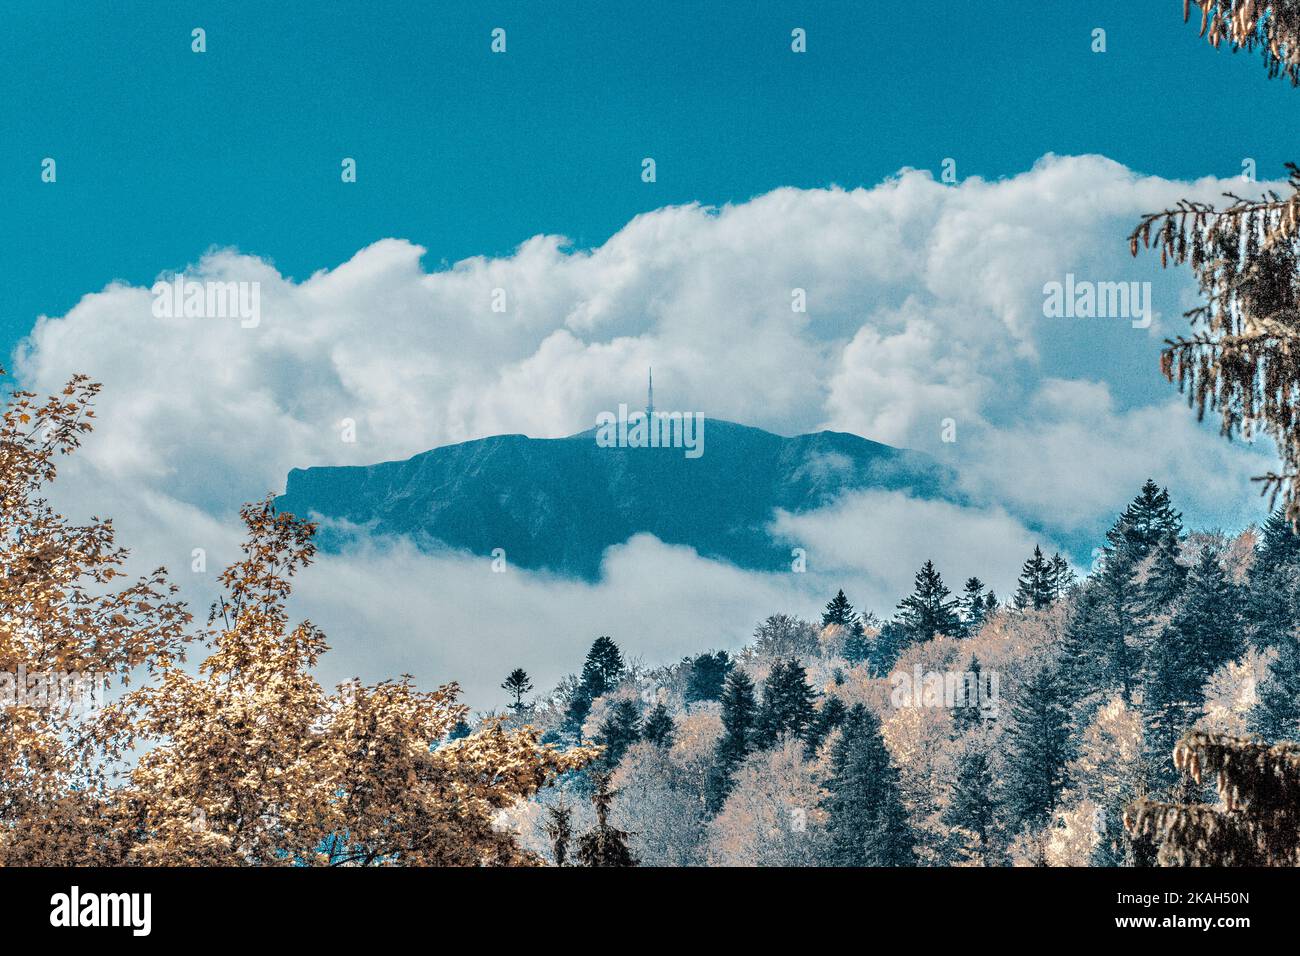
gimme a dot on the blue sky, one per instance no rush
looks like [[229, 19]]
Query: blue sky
[[163, 153]]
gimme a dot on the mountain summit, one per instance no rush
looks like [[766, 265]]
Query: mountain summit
[[558, 503]]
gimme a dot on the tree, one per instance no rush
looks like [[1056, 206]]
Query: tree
[[973, 808], [1276, 714], [1258, 820], [658, 727], [708, 675], [72, 623], [1272, 604], [517, 684], [840, 611], [829, 716], [739, 713], [620, 730], [787, 709], [1062, 576], [603, 844], [973, 606], [1165, 579], [1148, 519], [601, 673], [559, 830], [866, 823], [927, 610], [1039, 748], [1037, 584], [783, 636]]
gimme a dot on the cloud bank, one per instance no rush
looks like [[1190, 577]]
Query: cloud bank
[[924, 321]]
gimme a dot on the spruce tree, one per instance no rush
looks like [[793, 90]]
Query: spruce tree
[[601, 672], [973, 606], [1036, 587], [1148, 518], [840, 611], [658, 728], [1062, 577], [620, 730], [1165, 579], [968, 715], [1276, 714], [867, 823], [927, 611], [787, 709], [1038, 748], [739, 713], [830, 715], [604, 844], [708, 675], [973, 807], [1272, 604]]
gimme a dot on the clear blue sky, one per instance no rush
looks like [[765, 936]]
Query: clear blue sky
[[163, 153]]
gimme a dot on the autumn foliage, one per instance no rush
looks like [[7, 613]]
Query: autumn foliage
[[249, 761]]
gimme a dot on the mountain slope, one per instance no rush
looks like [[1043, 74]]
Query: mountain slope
[[559, 503]]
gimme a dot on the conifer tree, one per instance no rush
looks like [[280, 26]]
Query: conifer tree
[[708, 675], [1039, 748], [1272, 604], [1062, 576], [973, 606], [1037, 585], [601, 673], [1276, 714], [1165, 579], [739, 713], [927, 611], [658, 728], [867, 823], [973, 807], [559, 829], [787, 709], [968, 714], [1148, 518], [840, 611], [604, 844], [517, 683], [830, 715], [620, 730]]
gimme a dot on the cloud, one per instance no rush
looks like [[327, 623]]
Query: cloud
[[924, 303]]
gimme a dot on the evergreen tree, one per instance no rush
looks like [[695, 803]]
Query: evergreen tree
[[1148, 518], [967, 714], [1276, 714], [840, 611], [1038, 748], [620, 730], [866, 823], [973, 606], [1278, 541], [739, 713], [659, 728], [601, 672], [830, 715], [1100, 650], [787, 709], [603, 844], [927, 610], [1272, 604], [1037, 584], [1062, 576], [708, 674], [1173, 698], [1165, 579], [517, 684], [559, 829], [973, 807]]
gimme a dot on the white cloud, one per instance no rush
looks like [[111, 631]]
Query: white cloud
[[924, 303]]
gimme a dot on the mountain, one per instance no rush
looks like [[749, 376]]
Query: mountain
[[558, 503]]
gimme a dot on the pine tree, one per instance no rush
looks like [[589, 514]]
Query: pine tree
[[1276, 714], [973, 807], [1100, 649], [866, 823], [1039, 748], [1172, 700], [1165, 579], [739, 713], [1272, 604], [973, 606], [1036, 587], [659, 728], [601, 673], [787, 709], [967, 714], [603, 844], [620, 730], [1148, 518], [927, 610], [708, 675], [517, 684]]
